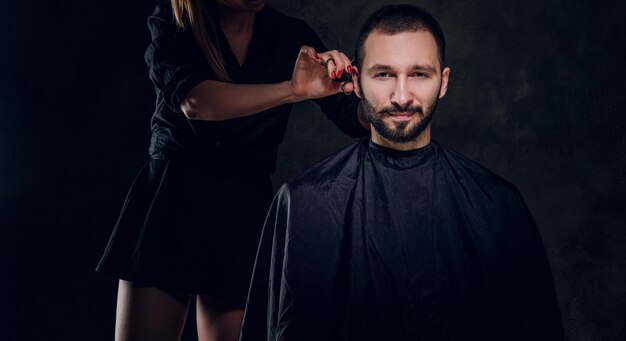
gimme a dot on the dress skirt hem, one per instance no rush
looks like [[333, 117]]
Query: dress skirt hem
[[188, 228]]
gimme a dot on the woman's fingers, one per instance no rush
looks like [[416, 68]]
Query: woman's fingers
[[346, 87], [310, 52], [330, 64], [347, 70], [346, 62], [336, 63], [309, 79]]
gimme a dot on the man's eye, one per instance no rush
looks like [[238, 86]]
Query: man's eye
[[420, 75], [383, 75]]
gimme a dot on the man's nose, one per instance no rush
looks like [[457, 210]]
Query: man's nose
[[401, 96]]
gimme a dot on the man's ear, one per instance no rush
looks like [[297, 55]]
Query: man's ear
[[355, 82], [445, 76]]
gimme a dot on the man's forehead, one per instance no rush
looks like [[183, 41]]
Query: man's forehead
[[407, 48]]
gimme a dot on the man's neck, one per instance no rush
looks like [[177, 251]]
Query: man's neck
[[421, 141]]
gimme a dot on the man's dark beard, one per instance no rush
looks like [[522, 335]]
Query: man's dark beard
[[397, 133]]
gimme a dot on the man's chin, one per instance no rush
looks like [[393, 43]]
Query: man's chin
[[397, 135], [397, 130]]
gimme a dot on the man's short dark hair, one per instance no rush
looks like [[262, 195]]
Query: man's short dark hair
[[393, 19]]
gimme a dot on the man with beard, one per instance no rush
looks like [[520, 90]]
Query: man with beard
[[399, 237]]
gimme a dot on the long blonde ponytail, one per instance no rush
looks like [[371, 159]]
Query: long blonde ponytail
[[192, 15]]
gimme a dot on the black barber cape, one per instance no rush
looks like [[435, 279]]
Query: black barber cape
[[378, 244]]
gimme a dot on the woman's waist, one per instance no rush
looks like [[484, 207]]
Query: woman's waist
[[218, 155]]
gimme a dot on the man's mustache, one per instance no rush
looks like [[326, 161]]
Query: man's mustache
[[413, 109]]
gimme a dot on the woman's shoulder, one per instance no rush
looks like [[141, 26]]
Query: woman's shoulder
[[161, 18], [164, 10]]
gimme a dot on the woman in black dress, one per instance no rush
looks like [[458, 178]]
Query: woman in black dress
[[226, 73]]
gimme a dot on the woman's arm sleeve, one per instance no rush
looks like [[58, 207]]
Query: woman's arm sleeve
[[175, 62]]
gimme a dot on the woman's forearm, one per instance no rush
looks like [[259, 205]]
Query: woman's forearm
[[216, 101]]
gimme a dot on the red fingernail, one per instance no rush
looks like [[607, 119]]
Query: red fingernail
[[349, 69], [316, 56], [339, 73], [333, 75]]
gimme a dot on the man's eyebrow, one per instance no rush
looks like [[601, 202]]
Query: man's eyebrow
[[379, 67], [416, 67], [424, 67]]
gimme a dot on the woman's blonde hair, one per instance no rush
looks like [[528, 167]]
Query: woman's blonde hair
[[193, 15]]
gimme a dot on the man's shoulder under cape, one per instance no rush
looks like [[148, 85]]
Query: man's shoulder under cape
[[331, 181]]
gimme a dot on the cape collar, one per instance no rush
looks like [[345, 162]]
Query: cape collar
[[401, 159]]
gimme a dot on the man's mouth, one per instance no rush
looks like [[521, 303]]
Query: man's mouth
[[401, 115]]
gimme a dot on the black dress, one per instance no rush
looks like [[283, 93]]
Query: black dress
[[194, 213]]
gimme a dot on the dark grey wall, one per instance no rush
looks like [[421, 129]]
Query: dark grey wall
[[535, 95]]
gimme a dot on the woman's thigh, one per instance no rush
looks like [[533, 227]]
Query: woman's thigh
[[216, 320], [149, 313]]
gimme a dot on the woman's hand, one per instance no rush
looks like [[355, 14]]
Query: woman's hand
[[313, 74]]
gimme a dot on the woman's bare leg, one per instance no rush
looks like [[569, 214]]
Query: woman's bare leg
[[216, 321], [148, 313]]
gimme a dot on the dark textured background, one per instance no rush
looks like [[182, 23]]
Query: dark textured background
[[535, 95]]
